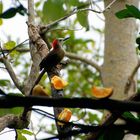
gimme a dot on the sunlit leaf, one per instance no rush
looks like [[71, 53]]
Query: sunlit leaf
[[10, 45], [20, 136], [37, 4], [53, 10], [1, 21], [83, 19], [1, 7], [15, 110], [4, 82], [27, 132]]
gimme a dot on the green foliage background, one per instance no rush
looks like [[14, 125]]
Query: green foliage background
[[80, 76]]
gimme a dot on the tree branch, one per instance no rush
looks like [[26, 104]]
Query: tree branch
[[44, 29], [12, 121], [110, 104], [87, 61], [112, 118], [42, 51], [131, 77], [12, 74]]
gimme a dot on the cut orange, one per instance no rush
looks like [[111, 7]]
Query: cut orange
[[38, 90], [101, 92], [65, 115], [58, 82]]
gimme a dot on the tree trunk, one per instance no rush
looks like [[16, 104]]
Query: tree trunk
[[120, 57]]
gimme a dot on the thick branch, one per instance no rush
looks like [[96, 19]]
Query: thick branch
[[110, 104], [12, 121], [12, 74], [87, 61], [42, 51]]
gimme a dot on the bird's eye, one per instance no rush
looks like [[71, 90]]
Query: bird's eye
[[60, 40]]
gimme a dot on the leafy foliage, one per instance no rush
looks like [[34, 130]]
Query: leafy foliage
[[20, 134], [11, 12], [130, 11], [15, 110], [80, 76]]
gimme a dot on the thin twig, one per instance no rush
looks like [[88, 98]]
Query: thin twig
[[93, 64], [38, 80], [2, 50], [44, 29], [12, 74], [131, 77], [109, 5], [9, 51]]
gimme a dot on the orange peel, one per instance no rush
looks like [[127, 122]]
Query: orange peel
[[38, 90], [65, 115], [101, 92], [58, 82]]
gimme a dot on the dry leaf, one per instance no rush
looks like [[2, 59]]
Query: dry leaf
[[101, 92], [58, 82]]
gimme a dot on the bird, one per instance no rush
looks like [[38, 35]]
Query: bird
[[55, 56]]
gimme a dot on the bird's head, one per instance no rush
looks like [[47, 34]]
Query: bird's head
[[58, 42]]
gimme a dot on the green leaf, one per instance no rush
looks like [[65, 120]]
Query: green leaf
[[53, 10], [1, 21], [133, 10], [20, 136], [1, 7], [11, 12], [82, 17], [123, 14], [138, 40], [10, 45], [37, 4], [27, 132], [74, 2], [21, 10], [129, 115], [14, 110], [4, 82], [130, 11]]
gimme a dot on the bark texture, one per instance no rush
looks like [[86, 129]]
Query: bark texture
[[120, 57]]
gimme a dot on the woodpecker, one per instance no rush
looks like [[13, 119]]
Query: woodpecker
[[55, 56]]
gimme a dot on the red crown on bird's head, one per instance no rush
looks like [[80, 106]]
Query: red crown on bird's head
[[55, 43]]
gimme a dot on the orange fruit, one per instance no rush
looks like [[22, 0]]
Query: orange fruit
[[58, 82], [38, 90], [101, 92], [65, 115]]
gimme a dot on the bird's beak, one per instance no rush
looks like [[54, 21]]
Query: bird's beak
[[66, 38]]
